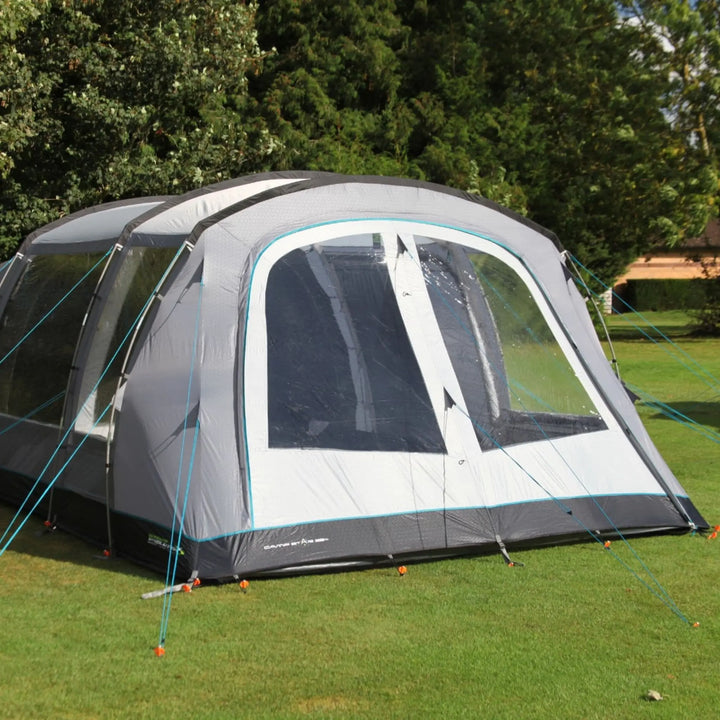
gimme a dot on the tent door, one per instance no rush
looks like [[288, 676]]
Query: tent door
[[462, 476]]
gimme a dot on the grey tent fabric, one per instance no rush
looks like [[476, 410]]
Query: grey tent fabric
[[294, 371]]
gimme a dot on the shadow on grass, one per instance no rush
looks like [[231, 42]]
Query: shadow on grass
[[675, 324], [36, 541], [705, 413], [652, 332]]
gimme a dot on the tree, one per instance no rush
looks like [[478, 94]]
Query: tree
[[554, 109], [682, 39], [16, 118], [330, 87], [18, 95], [561, 100], [124, 98]]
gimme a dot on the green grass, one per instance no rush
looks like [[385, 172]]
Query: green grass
[[572, 634], [671, 323]]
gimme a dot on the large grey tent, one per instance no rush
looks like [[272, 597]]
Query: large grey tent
[[294, 371]]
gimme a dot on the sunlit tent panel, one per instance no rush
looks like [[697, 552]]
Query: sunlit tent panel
[[317, 371]]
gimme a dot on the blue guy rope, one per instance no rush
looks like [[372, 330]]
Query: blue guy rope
[[174, 552], [660, 592], [7, 429], [90, 394], [34, 412], [709, 378], [674, 414]]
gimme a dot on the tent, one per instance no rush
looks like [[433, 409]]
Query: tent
[[298, 371]]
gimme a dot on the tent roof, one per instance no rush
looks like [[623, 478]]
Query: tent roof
[[174, 221], [94, 227]]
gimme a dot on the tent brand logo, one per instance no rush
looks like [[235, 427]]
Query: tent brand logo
[[296, 543], [157, 541]]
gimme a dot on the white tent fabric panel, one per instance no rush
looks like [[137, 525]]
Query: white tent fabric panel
[[300, 486], [179, 219]]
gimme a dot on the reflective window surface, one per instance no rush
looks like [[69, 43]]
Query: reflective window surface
[[34, 373], [517, 383], [137, 278], [341, 369]]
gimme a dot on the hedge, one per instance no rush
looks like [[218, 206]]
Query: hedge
[[663, 294]]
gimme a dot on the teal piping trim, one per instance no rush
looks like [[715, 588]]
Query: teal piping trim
[[424, 511], [665, 599]]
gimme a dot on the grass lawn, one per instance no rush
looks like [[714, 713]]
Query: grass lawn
[[572, 634]]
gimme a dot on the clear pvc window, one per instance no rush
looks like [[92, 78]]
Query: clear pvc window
[[517, 383], [140, 271], [36, 361], [341, 370]]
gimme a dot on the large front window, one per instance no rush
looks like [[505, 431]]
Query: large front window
[[516, 381], [341, 369]]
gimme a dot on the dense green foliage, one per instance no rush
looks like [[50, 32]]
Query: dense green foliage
[[578, 114], [665, 294], [124, 98]]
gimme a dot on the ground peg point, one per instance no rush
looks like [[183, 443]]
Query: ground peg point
[[696, 624], [159, 650], [244, 584], [402, 570]]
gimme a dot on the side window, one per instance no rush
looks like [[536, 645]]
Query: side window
[[341, 371], [37, 362], [517, 383], [140, 270]]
